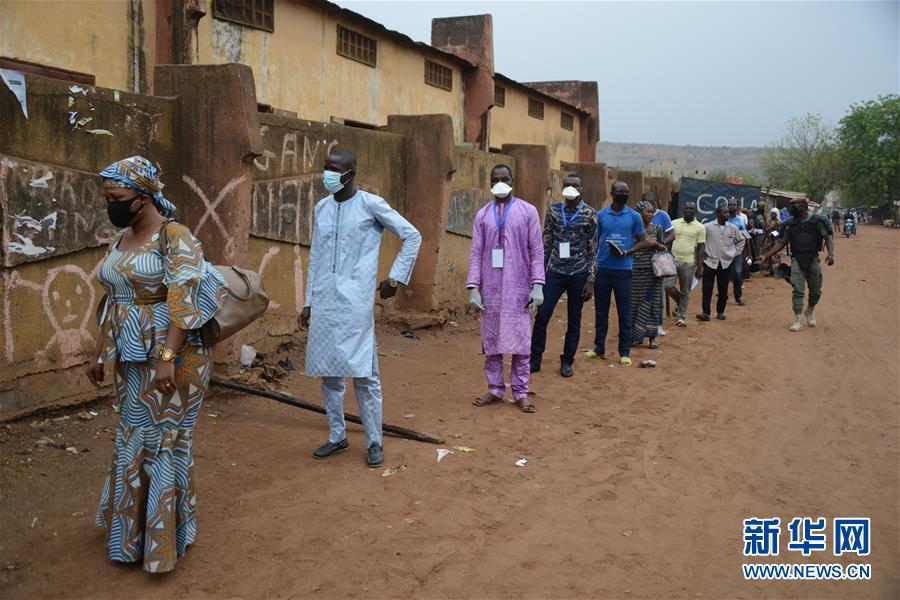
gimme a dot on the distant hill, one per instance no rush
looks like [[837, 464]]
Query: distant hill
[[641, 157]]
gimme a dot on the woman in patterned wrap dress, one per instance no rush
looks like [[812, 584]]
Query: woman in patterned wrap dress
[[646, 289], [156, 302]]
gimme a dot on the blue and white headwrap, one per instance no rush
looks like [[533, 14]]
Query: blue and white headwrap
[[138, 173]]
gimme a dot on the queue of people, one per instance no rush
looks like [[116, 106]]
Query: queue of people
[[161, 291]]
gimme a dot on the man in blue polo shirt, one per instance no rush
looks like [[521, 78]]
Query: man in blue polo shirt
[[621, 233]]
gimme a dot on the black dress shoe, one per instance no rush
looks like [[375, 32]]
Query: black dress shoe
[[720, 316], [331, 448], [534, 367], [703, 317], [566, 370], [375, 457]]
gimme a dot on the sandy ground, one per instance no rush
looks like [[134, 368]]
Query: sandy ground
[[637, 483]]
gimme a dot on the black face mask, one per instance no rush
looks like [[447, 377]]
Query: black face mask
[[120, 214], [795, 211], [620, 198]]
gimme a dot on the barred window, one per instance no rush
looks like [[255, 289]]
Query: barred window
[[535, 108], [567, 121], [357, 46], [438, 75], [499, 95], [259, 14]]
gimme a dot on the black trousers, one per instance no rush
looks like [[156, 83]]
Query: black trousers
[[554, 287], [720, 275]]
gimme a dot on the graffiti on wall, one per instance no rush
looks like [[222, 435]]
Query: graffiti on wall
[[464, 205], [294, 154], [68, 298], [282, 209], [48, 211]]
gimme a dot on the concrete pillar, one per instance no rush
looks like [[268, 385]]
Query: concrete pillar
[[216, 115], [635, 181], [531, 178], [430, 163], [662, 187], [595, 189], [472, 39]]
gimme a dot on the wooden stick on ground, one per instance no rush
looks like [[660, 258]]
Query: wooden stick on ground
[[291, 401]]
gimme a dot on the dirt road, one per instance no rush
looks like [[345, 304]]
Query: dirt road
[[637, 482]]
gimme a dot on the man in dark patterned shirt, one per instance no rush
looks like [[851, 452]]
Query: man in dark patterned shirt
[[570, 255]]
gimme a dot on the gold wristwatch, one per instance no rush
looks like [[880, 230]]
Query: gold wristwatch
[[167, 354]]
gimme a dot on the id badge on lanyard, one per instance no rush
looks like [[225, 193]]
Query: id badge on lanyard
[[564, 248], [497, 252]]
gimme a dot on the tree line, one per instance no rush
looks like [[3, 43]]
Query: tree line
[[860, 157]]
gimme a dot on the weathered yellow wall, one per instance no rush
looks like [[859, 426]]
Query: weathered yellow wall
[[90, 36], [297, 68], [47, 326], [510, 124], [468, 194]]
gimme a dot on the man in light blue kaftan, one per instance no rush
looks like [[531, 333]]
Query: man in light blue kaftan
[[340, 288]]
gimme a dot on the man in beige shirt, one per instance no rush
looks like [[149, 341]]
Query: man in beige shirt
[[721, 249]]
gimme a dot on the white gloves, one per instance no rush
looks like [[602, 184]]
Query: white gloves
[[536, 297], [475, 299]]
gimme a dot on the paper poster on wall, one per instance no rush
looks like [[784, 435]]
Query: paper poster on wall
[[15, 81]]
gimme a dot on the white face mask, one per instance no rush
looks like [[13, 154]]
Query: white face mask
[[570, 193], [501, 189]]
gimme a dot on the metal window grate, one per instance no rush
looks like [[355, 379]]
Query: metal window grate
[[259, 14], [499, 95], [567, 121], [438, 75], [535, 108], [357, 46]]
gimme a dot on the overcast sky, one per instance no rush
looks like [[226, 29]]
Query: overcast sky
[[676, 72]]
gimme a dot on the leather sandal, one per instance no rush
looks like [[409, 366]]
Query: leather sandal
[[487, 400], [525, 405]]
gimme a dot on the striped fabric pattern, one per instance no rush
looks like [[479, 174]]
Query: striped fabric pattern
[[148, 504]]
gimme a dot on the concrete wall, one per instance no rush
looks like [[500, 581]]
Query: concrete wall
[[511, 124], [297, 68], [662, 186], [244, 182], [111, 40], [469, 192], [287, 184], [53, 237]]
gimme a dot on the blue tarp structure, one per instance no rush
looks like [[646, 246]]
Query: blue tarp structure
[[709, 194]]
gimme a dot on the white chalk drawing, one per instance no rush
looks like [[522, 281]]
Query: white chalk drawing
[[211, 214], [67, 312], [299, 281], [267, 154], [263, 263]]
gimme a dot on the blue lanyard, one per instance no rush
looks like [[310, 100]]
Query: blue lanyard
[[502, 220], [575, 214]]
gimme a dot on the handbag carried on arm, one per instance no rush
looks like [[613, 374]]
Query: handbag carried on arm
[[663, 263], [245, 299]]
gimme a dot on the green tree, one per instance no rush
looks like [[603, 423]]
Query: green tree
[[869, 138], [806, 159]]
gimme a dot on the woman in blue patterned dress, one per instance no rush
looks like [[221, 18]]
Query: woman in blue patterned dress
[[646, 289], [160, 368]]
